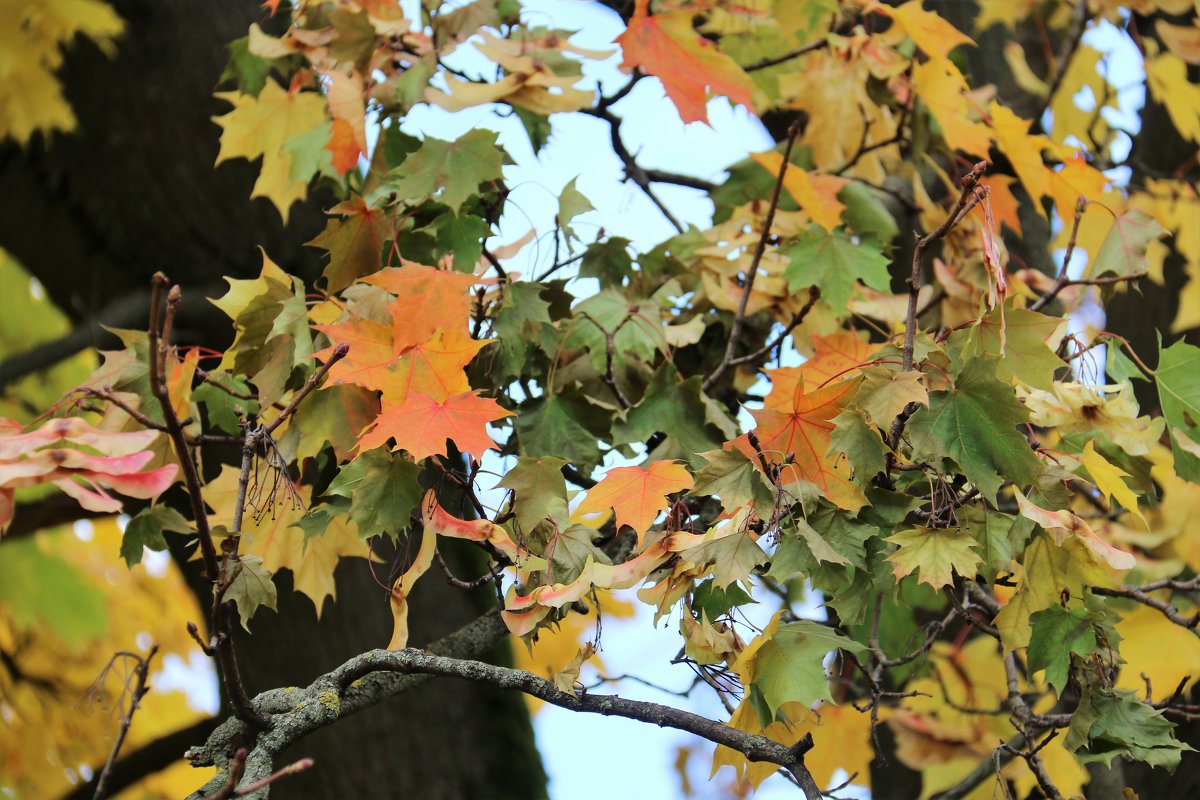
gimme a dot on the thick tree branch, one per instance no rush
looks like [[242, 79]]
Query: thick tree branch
[[372, 677]]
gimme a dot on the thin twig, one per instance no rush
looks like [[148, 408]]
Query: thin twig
[[226, 657], [337, 355], [814, 294], [1064, 279], [1063, 61], [495, 571], [632, 170], [735, 333], [773, 61], [141, 672]]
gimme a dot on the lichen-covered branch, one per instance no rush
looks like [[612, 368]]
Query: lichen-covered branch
[[372, 677]]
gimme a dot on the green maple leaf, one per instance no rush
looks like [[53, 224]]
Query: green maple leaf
[[1178, 377], [449, 171], [1051, 572], [1123, 251], [936, 552], [355, 242], [634, 334], [677, 408], [1057, 634], [571, 203], [1000, 536], [335, 414], [737, 480], [223, 407], [607, 261], [251, 588], [1024, 342], [861, 443], [790, 665], [570, 550], [561, 426], [383, 491], [975, 425], [733, 556], [461, 236], [1113, 723], [146, 528], [540, 493], [833, 262], [714, 601]]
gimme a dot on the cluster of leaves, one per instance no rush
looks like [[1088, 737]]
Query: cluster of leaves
[[990, 521]]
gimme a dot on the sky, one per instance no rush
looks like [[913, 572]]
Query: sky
[[588, 756]]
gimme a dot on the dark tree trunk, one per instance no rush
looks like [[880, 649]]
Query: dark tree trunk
[[93, 215]]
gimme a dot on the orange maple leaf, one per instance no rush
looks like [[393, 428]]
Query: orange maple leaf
[[421, 425], [426, 299], [835, 356], [668, 47], [433, 367], [370, 356], [347, 137], [802, 430], [637, 494]]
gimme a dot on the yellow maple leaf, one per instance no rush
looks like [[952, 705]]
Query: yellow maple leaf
[[1167, 78], [259, 126], [816, 194], [271, 535], [1109, 480], [944, 90], [32, 39]]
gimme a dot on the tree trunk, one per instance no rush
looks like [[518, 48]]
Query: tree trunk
[[93, 214]]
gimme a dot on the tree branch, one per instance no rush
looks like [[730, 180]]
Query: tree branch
[[372, 677], [140, 671], [735, 333]]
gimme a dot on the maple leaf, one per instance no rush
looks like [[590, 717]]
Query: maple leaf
[[733, 551], [936, 552], [449, 171], [426, 299], [835, 356], [689, 66], [348, 140], [354, 242], [802, 431], [1060, 524], [975, 424], [421, 425], [1123, 251], [637, 493], [259, 126], [311, 555], [816, 194], [944, 90], [441, 522], [1109, 479], [885, 393], [928, 30], [1178, 379], [786, 663], [1024, 342], [833, 262]]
